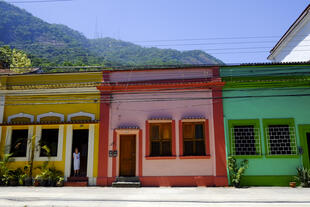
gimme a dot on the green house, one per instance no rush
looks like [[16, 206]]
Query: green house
[[267, 120]]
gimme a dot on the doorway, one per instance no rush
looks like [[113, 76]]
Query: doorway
[[80, 140], [127, 159], [308, 144]]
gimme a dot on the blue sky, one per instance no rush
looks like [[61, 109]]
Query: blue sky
[[262, 22]]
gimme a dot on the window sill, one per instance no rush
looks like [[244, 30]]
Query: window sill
[[195, 157], [161, 158], [246, 156], [18, 159], [282, 156]]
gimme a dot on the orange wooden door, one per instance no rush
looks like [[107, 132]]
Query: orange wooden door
[[127, 160]]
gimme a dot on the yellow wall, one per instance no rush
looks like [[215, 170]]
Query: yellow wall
[[84, 98], [50, 80]]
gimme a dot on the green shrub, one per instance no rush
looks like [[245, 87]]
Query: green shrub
[[49, 176], [303, 177], [4, 169], [236, 170]]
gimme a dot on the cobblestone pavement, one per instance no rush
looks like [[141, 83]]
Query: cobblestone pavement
[[138, 197]]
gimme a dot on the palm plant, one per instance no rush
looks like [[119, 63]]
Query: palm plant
[[303, 177]]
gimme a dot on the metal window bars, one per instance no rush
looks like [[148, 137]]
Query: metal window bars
[[281, 140], [245, 140]]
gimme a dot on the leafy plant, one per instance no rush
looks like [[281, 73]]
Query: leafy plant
[[236, 170], [303, 176], [17, 177], [48, 175], [4, 169]]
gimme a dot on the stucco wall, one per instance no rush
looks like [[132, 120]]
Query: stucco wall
[[269, 107], [135, 113], [36, 105]]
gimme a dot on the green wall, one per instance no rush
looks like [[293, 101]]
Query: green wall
[[297, 108]]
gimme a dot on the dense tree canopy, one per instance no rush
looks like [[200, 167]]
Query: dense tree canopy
[[15, 60]]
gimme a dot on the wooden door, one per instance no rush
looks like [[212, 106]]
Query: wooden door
[[127, 159]]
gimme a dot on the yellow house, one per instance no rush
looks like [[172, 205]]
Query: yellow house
[[60, 110]]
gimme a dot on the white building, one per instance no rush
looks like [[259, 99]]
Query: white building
[[294, 45]]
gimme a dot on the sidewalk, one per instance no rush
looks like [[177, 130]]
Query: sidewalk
[[120, 197]]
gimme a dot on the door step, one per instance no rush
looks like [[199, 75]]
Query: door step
[[77, 181], [127, 182], [76, 184]]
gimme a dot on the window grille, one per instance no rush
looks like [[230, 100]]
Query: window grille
[[245, 140], [281, 140]]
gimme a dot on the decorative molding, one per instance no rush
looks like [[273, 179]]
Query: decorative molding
[[90, 156], [2, 102], [159, 121], [8, 137], [116, 146], [81, 113], [68, 158], [21, 115], [53, 114], [0, 134], [59, 147]]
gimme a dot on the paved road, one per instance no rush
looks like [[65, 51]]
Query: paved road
[[151, 197]]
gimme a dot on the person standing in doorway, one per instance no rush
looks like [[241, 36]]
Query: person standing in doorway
[[76, 162]]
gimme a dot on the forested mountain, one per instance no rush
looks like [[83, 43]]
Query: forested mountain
[[54, 44]]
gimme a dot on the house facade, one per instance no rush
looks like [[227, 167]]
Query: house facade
[[266, 120], [60, 111], [163, 127]]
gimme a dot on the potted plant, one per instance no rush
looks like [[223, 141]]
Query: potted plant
[[26, 178], [60, 181], [236, 171], [303, 177], [292, 184]]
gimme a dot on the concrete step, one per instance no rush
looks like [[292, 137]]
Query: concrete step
[[76, 184], [127, 179], [126, 184], [77, 179]]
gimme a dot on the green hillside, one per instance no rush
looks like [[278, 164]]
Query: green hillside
[[53, 44]]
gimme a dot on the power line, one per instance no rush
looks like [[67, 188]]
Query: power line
[[215, 38], [38, 1], [165, 99]]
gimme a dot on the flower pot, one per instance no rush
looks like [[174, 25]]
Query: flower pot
[[28, 181], [43, 182], [36, 183], [60, 183], [13, 182], [293, 184]]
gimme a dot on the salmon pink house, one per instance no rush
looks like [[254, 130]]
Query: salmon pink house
[[162, 127]]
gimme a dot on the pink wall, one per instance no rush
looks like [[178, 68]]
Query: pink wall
[[127, 113]]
